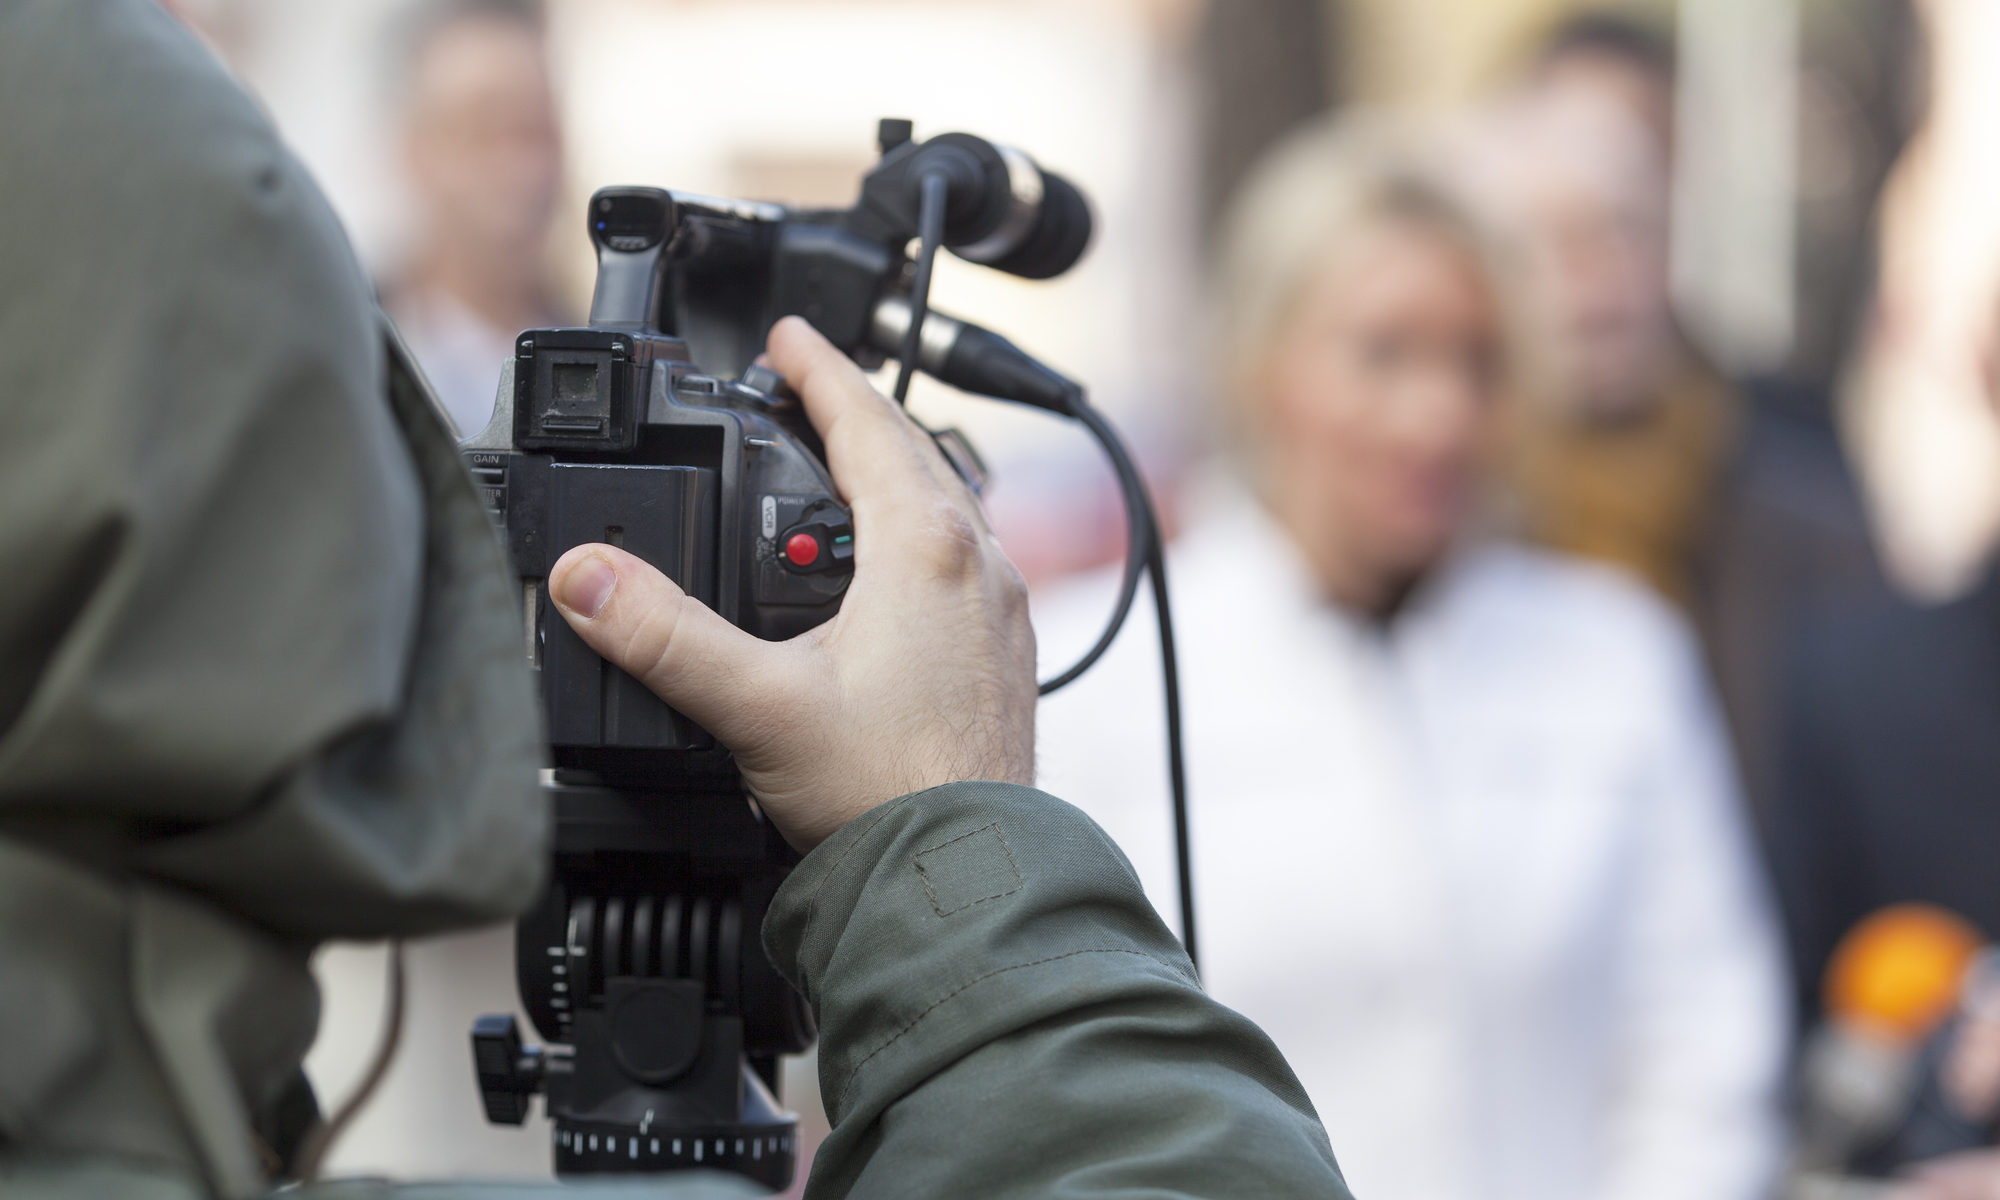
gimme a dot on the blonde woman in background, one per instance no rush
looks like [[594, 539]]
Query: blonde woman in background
[[1466, 839]]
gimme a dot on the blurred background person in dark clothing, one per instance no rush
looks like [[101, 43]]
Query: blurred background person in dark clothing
[[1643, 454], [1888, 805], [1891, 773], [482, 151]]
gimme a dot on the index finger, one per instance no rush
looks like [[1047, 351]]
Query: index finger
[[876, 453]]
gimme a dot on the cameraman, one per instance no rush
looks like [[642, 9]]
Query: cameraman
[[260, 687]]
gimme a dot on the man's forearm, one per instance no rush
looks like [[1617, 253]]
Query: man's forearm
[[1002, 1012]]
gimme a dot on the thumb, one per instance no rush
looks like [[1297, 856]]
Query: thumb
[[641, 621]]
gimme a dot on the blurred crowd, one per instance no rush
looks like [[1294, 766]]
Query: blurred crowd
[[1582, 797]]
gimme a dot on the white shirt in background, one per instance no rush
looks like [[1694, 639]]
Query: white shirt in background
[[1481, 873], [460, 353]]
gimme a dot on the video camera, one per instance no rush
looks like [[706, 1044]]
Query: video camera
[[651, 429]]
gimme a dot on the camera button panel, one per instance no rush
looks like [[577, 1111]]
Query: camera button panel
[[804, 551], [824, 544]]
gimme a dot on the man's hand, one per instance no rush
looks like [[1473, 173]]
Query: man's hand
[[924, 677]]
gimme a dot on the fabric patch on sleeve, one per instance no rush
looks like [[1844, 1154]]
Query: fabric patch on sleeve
[[969, 869]]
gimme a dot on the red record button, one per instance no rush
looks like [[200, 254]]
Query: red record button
[[802, 549]]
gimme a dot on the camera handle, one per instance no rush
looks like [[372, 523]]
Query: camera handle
[[631, 228]]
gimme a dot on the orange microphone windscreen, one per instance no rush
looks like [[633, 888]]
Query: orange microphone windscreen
[[1899, 971]]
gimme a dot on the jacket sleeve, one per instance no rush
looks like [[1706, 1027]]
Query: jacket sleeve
[[1002, 1014], [1702, 1033]]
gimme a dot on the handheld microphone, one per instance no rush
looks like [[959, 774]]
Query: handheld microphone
[[1002, 210], [1903, 994], [1897, 973]]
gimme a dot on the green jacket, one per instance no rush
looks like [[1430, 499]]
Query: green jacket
[[260, 687]]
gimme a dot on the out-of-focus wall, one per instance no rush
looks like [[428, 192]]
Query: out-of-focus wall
[[1735, 179], [1439, 53]]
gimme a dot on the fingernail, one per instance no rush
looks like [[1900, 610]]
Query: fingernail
[[586, 586]]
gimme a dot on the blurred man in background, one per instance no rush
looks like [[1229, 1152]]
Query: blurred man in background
[[1726, 500], [1614, 59], [1617, 455], [482, 150]]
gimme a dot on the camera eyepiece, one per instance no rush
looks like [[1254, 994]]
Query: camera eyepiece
[[630, 226], [631, 219]]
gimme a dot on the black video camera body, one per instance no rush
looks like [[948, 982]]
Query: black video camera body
[[644, 958], [617, 437], [643, 965]]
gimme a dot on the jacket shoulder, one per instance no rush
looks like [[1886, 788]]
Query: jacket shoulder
[[146, 174], [33, 1177], [126, 105]]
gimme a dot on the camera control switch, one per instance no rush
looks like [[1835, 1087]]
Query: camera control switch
[[822, 545], [801, 555]]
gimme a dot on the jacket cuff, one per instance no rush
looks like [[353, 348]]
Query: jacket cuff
[[942, 920]]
